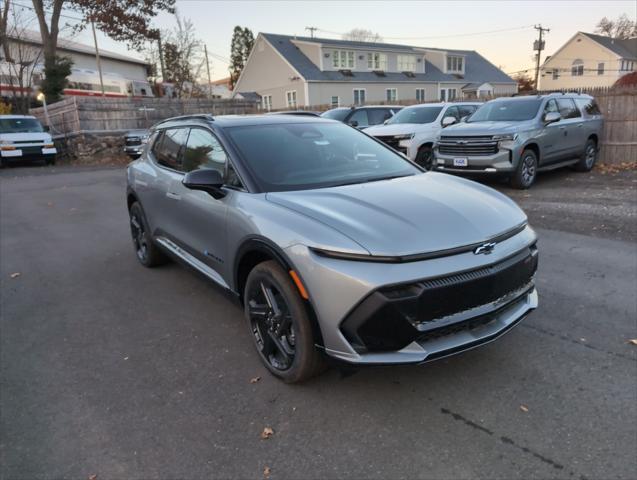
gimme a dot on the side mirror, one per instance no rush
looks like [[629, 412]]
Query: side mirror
[[354, 123], [448, 121], [552, 117], [207, 180]]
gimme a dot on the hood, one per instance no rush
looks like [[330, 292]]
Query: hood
[[26, 137], [418, 214], [485, 128], [396, 129]]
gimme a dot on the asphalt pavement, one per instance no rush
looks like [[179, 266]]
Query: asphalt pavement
[[114, 370]]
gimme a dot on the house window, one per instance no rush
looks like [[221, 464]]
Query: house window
[[336, 101], [406, 63], [391, 95], [359, 96], [420, 94], [455, 64], [376, 61], [266, 102], [556, 73], [448, 94], [343, 59], [577, 69], [600, 69], [627, 65], [291, 98]]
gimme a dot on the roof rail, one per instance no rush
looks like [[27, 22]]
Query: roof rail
[[192, 116]]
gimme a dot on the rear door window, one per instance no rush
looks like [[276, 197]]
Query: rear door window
[[567, 108], [377, 116], [168, 149], [588, 106]]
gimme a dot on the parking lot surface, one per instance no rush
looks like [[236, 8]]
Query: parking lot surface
[[118, 371]]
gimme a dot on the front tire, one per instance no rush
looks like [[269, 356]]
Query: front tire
[[526, 172], [50, 160], [589, 157], [425, 157], [148, 254], [280, 324]]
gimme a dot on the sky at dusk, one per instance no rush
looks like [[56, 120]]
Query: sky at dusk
[[450, 24]]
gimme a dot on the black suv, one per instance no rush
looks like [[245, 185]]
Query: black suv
[[362, 117]]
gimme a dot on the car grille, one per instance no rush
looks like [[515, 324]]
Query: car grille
[[467, 146], [133, 141], [389, 140], [393, 317]]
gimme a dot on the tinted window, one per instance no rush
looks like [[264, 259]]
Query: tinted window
[[588, 106], [506, 111], [203, 150], [313, 155], [20, 125], [416, 115], [567, 108], [336, 114], [377, 116], [359, 116], [168, 147], [550, 106], [466, 110]]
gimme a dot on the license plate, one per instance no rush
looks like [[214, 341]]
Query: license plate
[[460, 162]]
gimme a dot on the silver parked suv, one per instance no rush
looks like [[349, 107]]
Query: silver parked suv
[[521, 136], [336, 245]]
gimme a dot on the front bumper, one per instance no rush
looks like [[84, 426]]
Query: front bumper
[[500, 162], [28, 152], [363, 322]]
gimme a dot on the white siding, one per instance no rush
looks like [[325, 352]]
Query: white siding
[[321, 93]]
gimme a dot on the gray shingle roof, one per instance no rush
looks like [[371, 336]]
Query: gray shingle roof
[[624, 48], [477, 68]]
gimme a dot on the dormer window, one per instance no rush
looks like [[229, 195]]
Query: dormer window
[[406, 63], [455, 64], [377, 61], [343, 59]]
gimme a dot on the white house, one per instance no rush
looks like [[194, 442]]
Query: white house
[[588, 60], [286, 72]]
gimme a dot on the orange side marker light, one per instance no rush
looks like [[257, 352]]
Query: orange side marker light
[[299, 285]]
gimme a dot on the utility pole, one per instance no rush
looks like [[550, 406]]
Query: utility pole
[[97, 57], [311, 29], [538, 46], [205, 49]]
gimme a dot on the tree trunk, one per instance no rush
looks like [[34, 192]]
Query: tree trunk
[[49, 34]]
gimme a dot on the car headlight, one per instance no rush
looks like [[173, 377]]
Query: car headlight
[[405, 136], [145, 138], [507, 140]]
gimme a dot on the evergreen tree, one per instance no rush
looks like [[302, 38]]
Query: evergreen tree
[[240, 48], [56, 69]]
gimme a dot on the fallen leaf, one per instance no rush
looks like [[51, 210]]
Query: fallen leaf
[[92, 477], [266, 433], [633, 341], [255, 379], [524, 408], [266, 471], [15, 275], [49, 204]]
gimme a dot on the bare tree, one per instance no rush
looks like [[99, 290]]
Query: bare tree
[[183, 57], [362, 35], [622, 27], [21, 57]]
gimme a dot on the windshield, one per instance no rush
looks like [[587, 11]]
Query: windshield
[[506, 111], [20, 125], [416, 115], [314, 155], [336, 114]]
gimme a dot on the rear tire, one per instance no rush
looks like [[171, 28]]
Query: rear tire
[[425, 157], [526, 172], [50, 161], [280, 325], [589, 157], [148, 254]]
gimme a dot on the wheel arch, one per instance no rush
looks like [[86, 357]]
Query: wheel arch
[[255, 250], [594, 137], [535, 148], [131, 197]]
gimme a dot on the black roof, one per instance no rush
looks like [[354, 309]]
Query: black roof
[[625, 48]]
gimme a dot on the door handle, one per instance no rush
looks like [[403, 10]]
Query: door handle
[[174, 196]]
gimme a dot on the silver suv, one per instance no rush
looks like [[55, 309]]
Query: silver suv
[[336, 245], [522, 136]]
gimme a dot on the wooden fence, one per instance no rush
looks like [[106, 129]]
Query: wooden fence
[[77, 115]]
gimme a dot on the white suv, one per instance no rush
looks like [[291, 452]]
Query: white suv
[[413, 130], [24, 137]]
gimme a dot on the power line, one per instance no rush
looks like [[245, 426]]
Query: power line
[[311, 29], [440, 36]]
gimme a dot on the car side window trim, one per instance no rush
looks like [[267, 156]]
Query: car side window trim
[[161, 138]]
